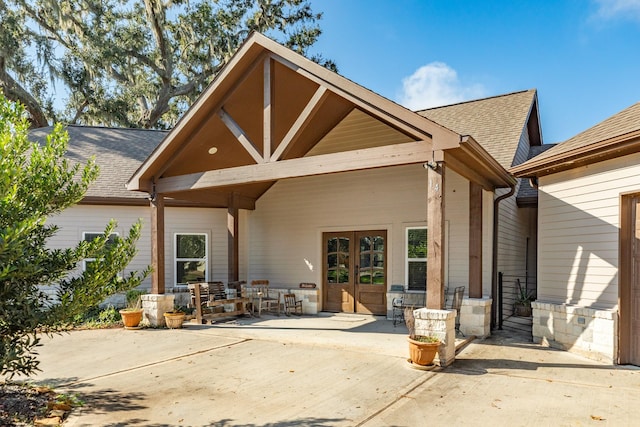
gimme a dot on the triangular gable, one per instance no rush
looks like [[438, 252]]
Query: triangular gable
[[272, 114], [614, 137]]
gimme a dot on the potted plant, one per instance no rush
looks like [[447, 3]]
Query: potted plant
[[132, 313], [422, 348], [522, 304], [175, 318]]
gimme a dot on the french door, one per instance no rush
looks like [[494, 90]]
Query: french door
[[355, 272]]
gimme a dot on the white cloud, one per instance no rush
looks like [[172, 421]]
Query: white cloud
[[611, 9], [436, 84]]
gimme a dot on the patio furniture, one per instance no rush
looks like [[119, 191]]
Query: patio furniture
[[407, 300], [262, 299], [210, 299], [291, 305]]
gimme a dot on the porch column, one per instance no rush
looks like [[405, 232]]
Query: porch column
[[475, 240], [156, 303], [157, 244], [435, 235], [233, 273]]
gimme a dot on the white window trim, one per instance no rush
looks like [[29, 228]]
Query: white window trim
[[176, 259], [84, 237], [406, 255]]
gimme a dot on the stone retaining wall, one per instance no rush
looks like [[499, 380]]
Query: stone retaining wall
[[586, 331]]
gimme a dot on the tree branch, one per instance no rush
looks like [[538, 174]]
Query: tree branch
[[15, 92]]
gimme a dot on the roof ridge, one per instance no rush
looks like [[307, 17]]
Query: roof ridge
[[477, 100]]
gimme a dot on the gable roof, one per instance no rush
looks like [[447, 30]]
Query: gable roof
[[117, 151], [496, 122], [265, 112], [613, 137]]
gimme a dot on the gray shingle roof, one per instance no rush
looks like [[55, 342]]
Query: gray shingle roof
[[496, 122], [626, 121], [118, 153]]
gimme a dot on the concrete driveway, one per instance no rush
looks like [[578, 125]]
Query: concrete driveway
[[325, 371]]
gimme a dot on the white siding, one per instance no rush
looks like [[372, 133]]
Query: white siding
[[74, 221], [514, 227], [285, 231], [578, 232]]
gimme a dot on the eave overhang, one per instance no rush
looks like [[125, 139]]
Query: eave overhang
[[473, 162], [607, 149]]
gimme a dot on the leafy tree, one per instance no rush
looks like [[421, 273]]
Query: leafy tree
[[36, 182], [134, 63]]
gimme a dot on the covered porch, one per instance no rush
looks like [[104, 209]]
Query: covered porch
[[320, 180]]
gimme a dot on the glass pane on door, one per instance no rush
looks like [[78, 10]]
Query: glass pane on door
[[372, 261], [338, 260]]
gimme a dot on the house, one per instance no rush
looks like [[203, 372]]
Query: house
[[588, 284], [286, 171]]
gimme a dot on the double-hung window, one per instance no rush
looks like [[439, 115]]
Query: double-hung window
[[88, 236], [190, 258], [416, 256]]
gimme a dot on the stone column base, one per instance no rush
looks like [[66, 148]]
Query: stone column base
[[475, 317], [442, 324], [154, 306]]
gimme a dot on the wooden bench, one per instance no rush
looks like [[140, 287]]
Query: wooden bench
[[210, 298]]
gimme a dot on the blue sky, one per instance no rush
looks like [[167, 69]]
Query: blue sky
[[583, 56]]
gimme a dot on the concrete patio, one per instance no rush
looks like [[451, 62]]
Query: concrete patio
[[328, 370]]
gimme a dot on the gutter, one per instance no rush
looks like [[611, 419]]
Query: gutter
[[494, 258]]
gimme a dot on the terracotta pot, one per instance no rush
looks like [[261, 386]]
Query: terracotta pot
[[174, 320], [422, 353], [131, 318]]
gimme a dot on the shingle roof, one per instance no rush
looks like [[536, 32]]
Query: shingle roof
[[496, 122], [118, 153], [526, 193], [624, 122]]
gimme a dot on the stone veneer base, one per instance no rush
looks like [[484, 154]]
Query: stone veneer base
[[154, 306], [440, 323], [590, 332]]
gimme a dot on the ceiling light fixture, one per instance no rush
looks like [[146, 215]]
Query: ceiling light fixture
[[213, 150]]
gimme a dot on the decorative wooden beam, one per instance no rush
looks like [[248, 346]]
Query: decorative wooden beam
[[157, 244], [302, 121], [240, 135], [266, 128], [414, 126], [435, 235], [475, 240], [390, 155], [233, 271]]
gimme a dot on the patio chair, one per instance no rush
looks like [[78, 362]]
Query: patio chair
[[291, 305], [261, 299]]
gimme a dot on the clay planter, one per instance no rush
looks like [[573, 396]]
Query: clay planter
[[131, 318], [174, 320], [422, 353]]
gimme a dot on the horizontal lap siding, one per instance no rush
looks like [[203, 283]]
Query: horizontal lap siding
[[83, 218], [514, 226], [286, 227], [578, 229]]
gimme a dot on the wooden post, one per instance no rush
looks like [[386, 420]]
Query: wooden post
[[435, 235], [233, 270], [157, 244], [475, 240]]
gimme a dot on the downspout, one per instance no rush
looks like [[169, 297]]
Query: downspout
[[494, 259]]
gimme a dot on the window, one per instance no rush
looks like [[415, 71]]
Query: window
[[88, 236], [416, 268], [191, 258]]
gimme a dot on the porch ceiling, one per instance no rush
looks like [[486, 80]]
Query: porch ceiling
[[271, 114]]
